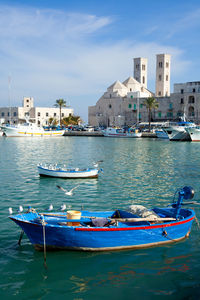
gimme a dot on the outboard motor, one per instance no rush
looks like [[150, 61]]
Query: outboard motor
[[186, 193]]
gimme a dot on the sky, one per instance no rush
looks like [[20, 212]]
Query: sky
[[75, 50]]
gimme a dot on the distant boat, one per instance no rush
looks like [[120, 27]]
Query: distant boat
[[194, 133], [121, 133], [64, 172], [136, 227], [28, 129], [177, 130], [161, 134]]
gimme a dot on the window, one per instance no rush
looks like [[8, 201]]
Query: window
[[191, 99], [143, 67], [182, 101], [54, 114], [130, 105], [170, 105], [134, 107], [169, 114], [191, 111], [130, 90], [182, 91], [38, 114], [110, 106], [47, 114], [27, 105], [160, 64], [62, 114], [143, 79], [110, 95], [167, 78], [15, 114], [167, 65], [2, 114], [159, 114], [141, 105], [194, 90], [8, 114], [38, 122], [159, 93], [159, 77], [27, 100], [131, 96]]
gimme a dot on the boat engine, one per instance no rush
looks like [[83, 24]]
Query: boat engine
[[187, 192]]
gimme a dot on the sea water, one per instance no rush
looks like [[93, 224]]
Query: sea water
[[135, 171]]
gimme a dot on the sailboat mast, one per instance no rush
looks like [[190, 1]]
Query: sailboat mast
[[9, 94]]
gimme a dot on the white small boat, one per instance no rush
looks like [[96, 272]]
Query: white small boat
[[28, 129], [121, 133], [63, 172], [194, 133]]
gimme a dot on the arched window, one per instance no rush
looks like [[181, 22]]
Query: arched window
[[191, 111], [191, 99]]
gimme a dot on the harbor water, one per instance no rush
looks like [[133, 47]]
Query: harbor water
[[135, 171]]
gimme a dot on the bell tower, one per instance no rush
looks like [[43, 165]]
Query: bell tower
[[140, 70]]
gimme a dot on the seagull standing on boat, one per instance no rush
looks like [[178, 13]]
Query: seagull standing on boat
[[50, 207], [69, 193], [63, 207], [20, 210]]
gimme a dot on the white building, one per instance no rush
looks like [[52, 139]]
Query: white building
[[38, 115]]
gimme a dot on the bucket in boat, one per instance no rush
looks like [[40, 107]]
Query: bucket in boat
[[73, 215]]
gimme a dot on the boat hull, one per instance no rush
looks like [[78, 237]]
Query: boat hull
[[177, 134], [194, 134], [10, 131], [84, 238], [91, 173]]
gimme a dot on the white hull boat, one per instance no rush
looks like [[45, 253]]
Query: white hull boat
[[194, 133], [177, 131], [120, 133], [29, 129], [63, 172]]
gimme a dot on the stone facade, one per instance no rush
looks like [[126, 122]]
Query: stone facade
[[38, 115], [129, 109], [123, 103]]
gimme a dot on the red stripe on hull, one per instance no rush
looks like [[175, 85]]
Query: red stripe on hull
[[134, 228]]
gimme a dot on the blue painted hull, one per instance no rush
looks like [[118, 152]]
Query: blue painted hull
[[124, 235]]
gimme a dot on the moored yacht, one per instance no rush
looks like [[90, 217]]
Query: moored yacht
[[177, 130], [119, 132], [28, 129], [194, 133]]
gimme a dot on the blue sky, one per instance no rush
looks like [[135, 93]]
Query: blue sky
[[75, 49]]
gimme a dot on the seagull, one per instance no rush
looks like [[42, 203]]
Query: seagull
[[20, 209], [69, 193], [63, 207], [50, 207], [10, 210]]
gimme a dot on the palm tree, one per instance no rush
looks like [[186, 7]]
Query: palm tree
[[150, 103], [60, 103], [72, 120]]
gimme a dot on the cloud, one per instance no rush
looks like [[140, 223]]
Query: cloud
[[51, 54], [190, 20]]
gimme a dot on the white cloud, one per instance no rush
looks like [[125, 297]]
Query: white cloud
[[51, 54]]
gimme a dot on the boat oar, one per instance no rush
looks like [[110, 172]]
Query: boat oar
[[20, 238], [44, 241]]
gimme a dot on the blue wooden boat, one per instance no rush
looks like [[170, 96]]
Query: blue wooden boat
[[135, 227]]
